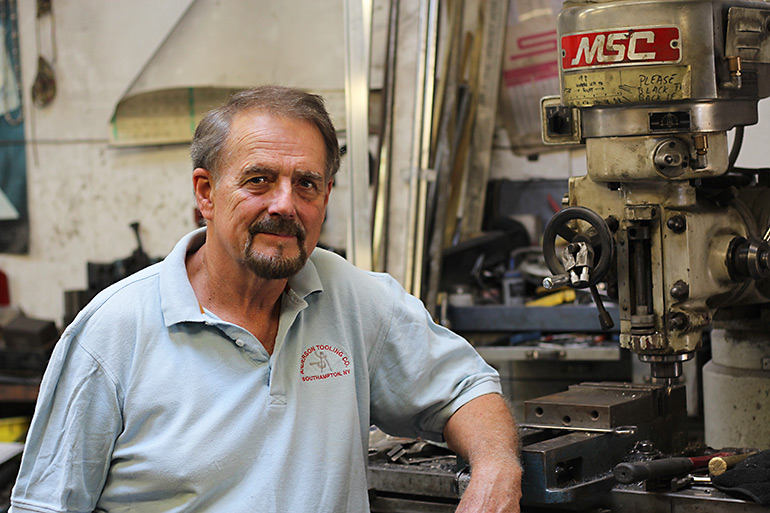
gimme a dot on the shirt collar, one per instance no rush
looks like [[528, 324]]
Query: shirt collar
[[178, 300], [177, 297], [306, 281]]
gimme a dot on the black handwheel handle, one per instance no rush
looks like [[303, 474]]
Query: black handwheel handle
[[602, 242]]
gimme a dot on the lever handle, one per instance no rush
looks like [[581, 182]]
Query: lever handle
[[605, 319], [554, 282]]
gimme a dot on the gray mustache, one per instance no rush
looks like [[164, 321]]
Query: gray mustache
[[277, 226]]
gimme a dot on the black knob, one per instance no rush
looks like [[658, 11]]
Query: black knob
[[677, 223], [680, 291]]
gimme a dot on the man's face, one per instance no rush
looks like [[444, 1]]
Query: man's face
[[269, 201]]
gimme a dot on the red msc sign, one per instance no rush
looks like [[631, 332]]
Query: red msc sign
[[621, 47]]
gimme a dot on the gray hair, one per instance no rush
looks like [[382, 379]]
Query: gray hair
[[210, 139]]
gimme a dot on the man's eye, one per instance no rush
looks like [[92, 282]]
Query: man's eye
[[307, 184], [258, 180]]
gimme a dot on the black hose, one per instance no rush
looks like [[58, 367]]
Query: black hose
[[736, 149]]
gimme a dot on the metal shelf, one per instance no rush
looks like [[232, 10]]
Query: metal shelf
[[552, 319]]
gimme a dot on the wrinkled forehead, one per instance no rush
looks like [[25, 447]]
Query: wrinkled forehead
[[259, 123], [264, 132]]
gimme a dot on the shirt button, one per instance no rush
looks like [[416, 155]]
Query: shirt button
[[239, 343]]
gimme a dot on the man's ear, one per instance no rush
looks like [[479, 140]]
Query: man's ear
[[203, 186]]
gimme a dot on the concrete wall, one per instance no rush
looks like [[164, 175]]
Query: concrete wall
[[82, 194]]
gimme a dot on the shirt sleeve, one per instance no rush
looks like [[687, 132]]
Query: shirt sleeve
[[421, 373], [73, 431]]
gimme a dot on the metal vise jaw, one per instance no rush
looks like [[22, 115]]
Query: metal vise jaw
[[572, 440]]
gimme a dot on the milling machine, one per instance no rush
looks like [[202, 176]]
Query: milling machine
[[664, 217], [664, 220]]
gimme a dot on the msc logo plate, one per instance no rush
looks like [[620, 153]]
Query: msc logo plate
[[621, 47]]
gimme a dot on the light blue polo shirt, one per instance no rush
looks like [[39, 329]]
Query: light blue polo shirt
[[150, 404]]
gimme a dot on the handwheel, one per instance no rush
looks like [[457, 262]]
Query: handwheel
[[597, 234]]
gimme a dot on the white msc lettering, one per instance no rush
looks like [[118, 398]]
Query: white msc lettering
[[648, 36], [589, 52], [612, 45], [616, 49]]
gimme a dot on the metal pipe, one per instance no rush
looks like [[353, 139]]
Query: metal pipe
[[358, 24], [425, 136], [382, 196], [414, 170]]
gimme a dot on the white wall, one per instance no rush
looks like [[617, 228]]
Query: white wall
[[82, 194], [756, 139]]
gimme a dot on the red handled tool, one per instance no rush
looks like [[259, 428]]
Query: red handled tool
[[631, 472]]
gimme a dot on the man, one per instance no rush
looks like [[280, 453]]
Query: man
[[242, 373]]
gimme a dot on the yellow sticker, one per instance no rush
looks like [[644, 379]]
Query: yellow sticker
[[637, 84]]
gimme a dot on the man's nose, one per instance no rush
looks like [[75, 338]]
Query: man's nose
[[282, 200]]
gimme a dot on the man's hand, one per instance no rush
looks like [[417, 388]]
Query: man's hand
[[483, 432], [495, 490]]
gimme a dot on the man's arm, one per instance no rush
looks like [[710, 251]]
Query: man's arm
[[69, 445], [484, 433]]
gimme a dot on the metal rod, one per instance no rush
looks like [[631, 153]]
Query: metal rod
[[450, 121], [425, 136], [358, 24], [382, 201], [414, 171]]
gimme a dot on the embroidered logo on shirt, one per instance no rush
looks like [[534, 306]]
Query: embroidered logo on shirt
[[323, 361]]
